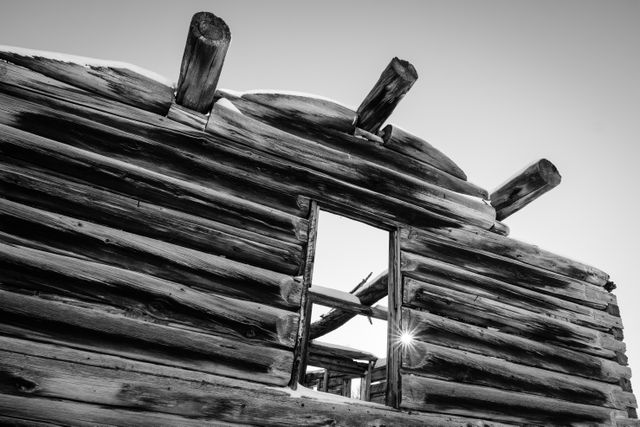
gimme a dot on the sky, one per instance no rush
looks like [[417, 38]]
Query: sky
[[501, 85]]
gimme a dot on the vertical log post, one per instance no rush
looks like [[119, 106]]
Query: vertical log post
[[365, 385], [394, 350], [394, 82], [207, 43], [524, 187]]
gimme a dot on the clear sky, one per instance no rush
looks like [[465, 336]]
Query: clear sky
[[502, 84]]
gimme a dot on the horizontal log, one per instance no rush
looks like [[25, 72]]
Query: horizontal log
[[510, 319], [47, 191], [149, 185], [433, 361], [122, 82], [345, 301], [524, 187], [208, 39], [508, 271], [285, 120], [398, 139], [282, 175], [368, 294], [308, 109], [89, 280], [506, 247], [424, 394], [323, 348], [121, 333], [155, 389], [443, 331], [176, 159], [392, 85], [459, 279], [229, 124], [66, 235], [32, 412], [339, 365]]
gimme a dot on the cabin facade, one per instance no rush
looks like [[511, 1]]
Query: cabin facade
[[157, 249]]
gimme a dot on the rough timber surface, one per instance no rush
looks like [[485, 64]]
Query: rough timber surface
[[148, 268]]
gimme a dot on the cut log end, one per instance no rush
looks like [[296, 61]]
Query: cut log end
[[208, 28], [548, 172], [404, 69]]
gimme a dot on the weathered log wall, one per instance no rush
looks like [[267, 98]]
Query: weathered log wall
[[504, 331], [152, 257]]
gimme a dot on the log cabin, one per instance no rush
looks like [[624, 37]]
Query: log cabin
[[157, 247]]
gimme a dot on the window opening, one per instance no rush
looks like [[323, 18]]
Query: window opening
[[350, 359]]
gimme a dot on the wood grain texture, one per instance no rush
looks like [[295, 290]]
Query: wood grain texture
[[91, 281], [508, 271], [424, 394], [187, 117], [510, 319], [277, 116], [401, 141], [524, 187], [123, 333], [148, 185], [311, 110], [392, 85], [174, 157], [453, 277], [82, 239], [119, 84], [507, 247], [432, 361], [208, 39], [440, 330], [395, 286], [121, 385], [443, 203]]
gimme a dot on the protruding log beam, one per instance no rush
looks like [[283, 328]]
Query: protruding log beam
[[367, 295], [345, 301], [394, 82], [524, 187], [207, 43], [401, 141]]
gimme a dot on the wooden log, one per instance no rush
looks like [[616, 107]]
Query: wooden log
[[365, 384], [424, 394], [443, 331], [301, 348], [124, 385], [46, 191], [334, 350], [345, 301], [187, 117], [508, 271], [401, 141], [339, 365], [259, 136], [149, 185], [157, 153], [394, 82], [339, 140], [454, 277], [368, 295], [286, 176], [309, 109], [207, 43], [510, 319], [500, 228], [120, 333], [395, 287], [524, 187], [115, 80], [508, 248], [432, 361], [88, 280], [78, 238]]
